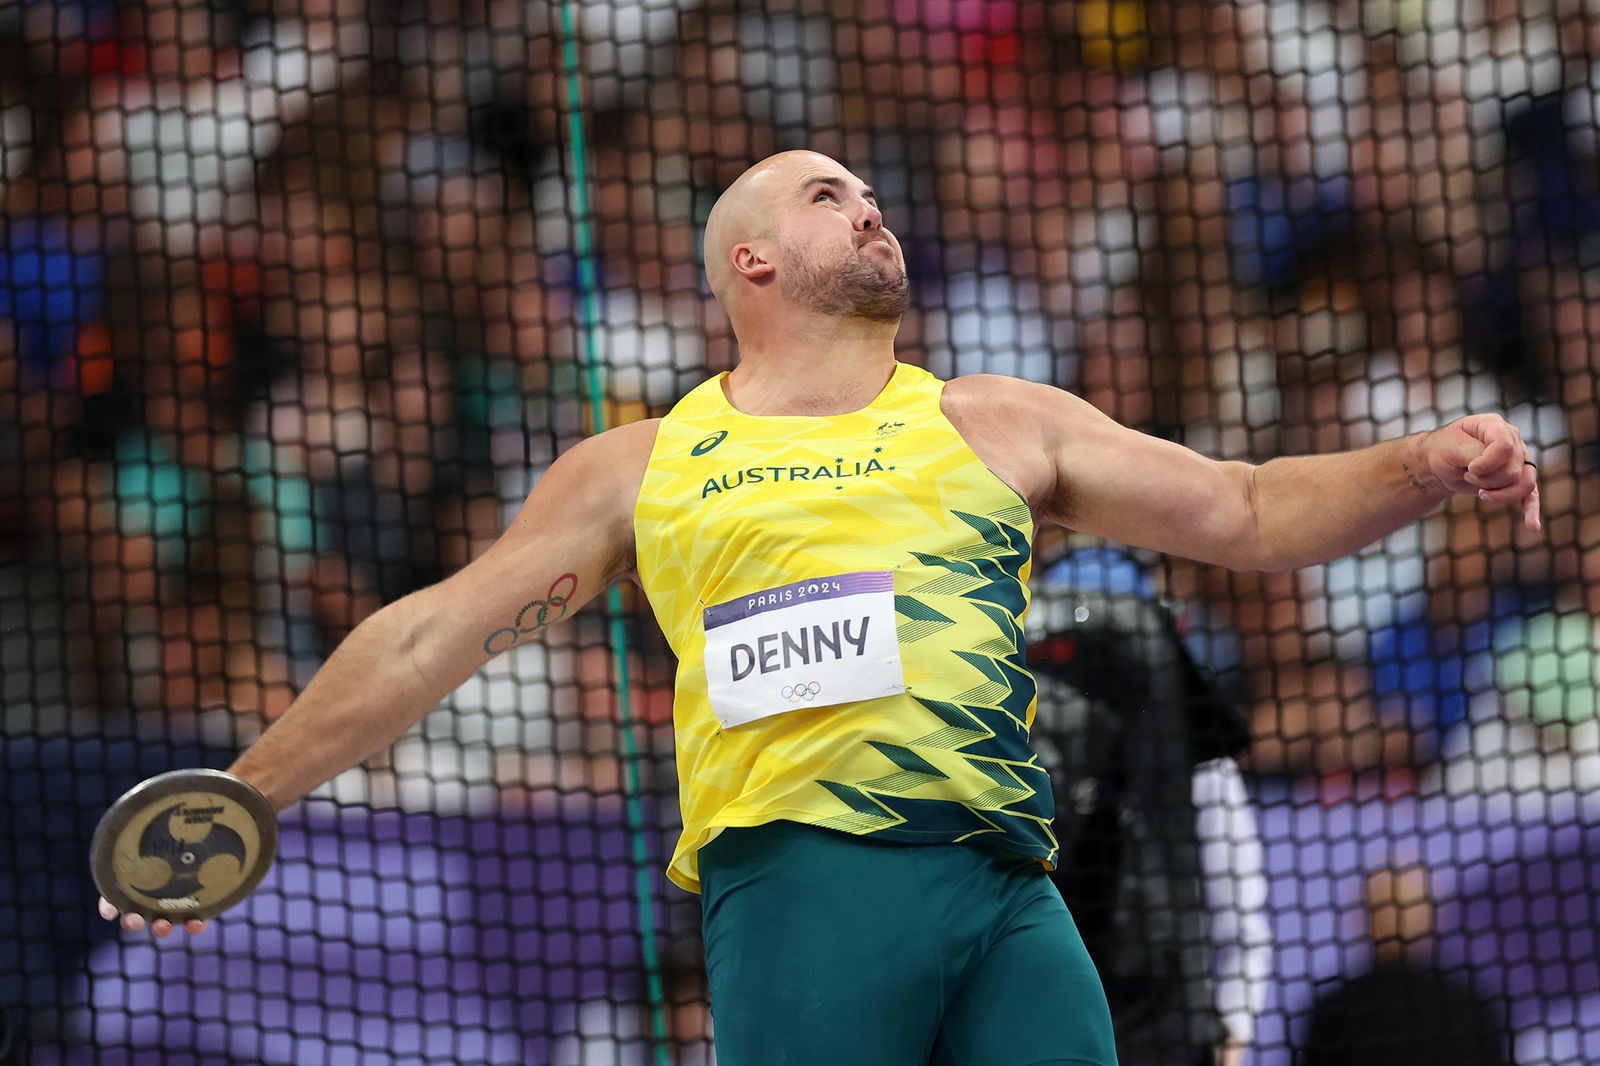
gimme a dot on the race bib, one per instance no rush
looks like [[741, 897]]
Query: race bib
[[813, 643]]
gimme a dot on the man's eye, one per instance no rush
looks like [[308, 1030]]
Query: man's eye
[[823, 195]]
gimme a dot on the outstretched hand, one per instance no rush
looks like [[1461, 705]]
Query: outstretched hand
[[134, 923], [1485, 455]]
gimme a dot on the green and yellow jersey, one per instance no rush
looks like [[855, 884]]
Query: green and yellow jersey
[[769, 547]]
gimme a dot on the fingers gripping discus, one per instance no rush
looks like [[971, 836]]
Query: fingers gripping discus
[[184, 844]]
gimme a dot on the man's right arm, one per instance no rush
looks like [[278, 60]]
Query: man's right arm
[[572, 538]]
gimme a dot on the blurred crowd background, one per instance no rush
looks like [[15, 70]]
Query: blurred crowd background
[[298, 297]]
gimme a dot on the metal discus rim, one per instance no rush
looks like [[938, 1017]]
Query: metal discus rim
[[136, 809]]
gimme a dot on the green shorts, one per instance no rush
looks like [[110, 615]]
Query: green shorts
[[824, 948]]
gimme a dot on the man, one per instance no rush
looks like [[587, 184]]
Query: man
[[837, 547]]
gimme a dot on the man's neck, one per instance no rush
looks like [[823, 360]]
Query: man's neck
[[825, 366]]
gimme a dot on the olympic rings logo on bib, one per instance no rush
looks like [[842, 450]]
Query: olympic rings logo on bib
[[806, 691]]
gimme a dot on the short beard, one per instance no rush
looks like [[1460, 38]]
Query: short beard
[[854, 289]]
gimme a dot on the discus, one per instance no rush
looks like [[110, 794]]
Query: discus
[[185, 844]]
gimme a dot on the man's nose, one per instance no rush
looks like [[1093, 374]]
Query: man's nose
[[869, 217]]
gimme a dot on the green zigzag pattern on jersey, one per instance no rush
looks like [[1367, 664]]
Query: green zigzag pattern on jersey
[[914, 770], [919, 620], [989, 573]]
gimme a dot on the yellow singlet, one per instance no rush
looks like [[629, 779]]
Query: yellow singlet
[[792, 530]]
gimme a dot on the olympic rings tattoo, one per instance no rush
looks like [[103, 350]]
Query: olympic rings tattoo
[[550, 610]]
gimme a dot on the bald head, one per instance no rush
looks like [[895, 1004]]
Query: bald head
[[762, 229], [745, 211]]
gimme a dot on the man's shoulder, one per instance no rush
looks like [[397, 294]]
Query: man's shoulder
[[1001, 418], [995, 400], [620, 452], [990, 390], [632, 436]]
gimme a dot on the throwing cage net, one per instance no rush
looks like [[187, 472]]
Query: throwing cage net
[[299, 297]]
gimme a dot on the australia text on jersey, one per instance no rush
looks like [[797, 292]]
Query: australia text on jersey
[[753, 475]]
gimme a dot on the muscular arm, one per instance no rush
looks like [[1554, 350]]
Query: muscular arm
[[1080, 468], [571, 539]]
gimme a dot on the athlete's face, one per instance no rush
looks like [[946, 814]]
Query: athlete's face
[[835, 254]]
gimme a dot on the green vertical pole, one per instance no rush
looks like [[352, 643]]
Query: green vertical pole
[[594, 389]]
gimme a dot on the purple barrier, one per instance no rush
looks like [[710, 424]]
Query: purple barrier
[[1520, 889], [1535, 917], [389, 939], [384, 938]]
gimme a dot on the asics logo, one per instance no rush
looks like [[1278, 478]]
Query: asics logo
[[710, 442]]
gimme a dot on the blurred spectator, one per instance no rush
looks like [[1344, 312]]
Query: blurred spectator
[[1542, 209], [17, 117], [1045, 188], [1312, 710], [1406, 1009], [1191, 109], [1514, 648], [1161, 862], [749, 81], [917, 58], [400, 496], [988, 312], [184, 123], [52, 290], [456, 177], [650, 336], [1435, 652], [738, 82]]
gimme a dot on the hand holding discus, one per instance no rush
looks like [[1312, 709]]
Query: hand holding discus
[[182, 847]]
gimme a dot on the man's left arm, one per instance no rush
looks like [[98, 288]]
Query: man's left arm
[[1079, 467], [1364, 495]]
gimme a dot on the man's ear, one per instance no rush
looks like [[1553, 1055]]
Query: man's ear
[[751, 262]]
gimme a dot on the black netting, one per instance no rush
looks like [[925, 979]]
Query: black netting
[[298, 298]]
